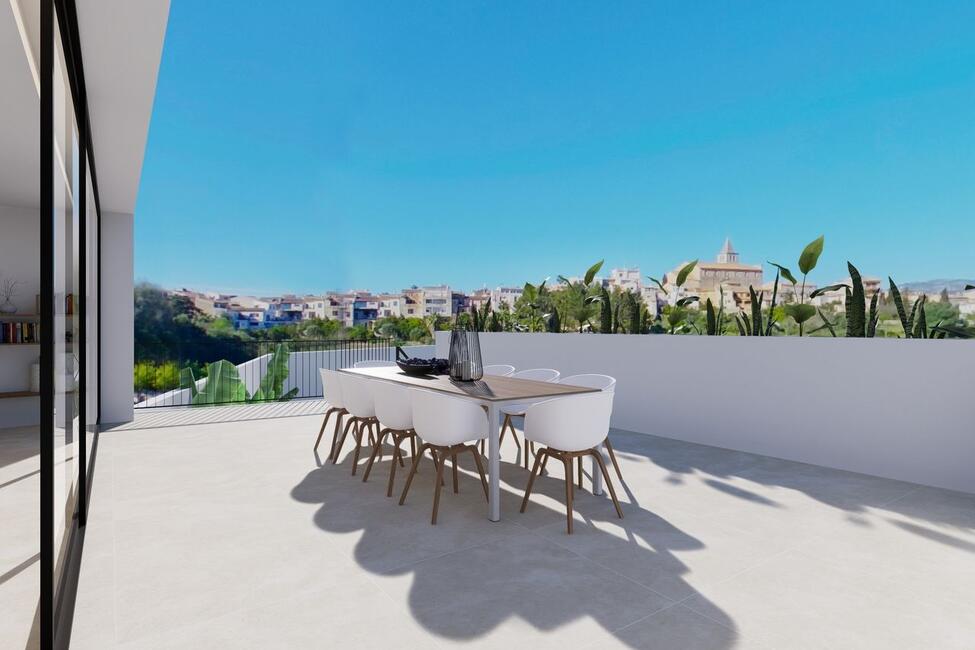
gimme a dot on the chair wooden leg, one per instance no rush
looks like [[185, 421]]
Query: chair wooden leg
[[508, 424], [375, 452], [536, 468], [392, 467], [579, 470], [453, 463], [569, 489], [409, 477], [335, 434], [358, 446], [612, 457], [438, 483], [321, 431], [413, 445], [345, 433], [480, 470], [609, 483], [544, 461]]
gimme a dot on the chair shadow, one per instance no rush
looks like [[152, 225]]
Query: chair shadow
[[469, 575]]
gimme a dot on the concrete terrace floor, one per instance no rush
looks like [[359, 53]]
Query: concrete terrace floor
[[235, 535]]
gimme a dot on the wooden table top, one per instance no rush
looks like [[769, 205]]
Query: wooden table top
[[488, 389]]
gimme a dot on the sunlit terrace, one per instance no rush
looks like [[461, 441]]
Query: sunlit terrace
[[237, 534]]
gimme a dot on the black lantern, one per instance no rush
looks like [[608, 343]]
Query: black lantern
[[465, 355]]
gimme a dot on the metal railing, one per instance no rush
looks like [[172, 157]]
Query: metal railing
[[280, 371]]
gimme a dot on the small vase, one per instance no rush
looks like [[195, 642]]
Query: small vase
[[7, 307], [465, 355]]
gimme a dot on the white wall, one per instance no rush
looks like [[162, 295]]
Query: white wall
[[895, 408], [19, 246], [118, 312]]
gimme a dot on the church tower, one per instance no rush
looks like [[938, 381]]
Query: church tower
[[727, 255]]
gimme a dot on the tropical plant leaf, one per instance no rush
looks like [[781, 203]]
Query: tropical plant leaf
[[786, 273], [658, 283], [593, 270], [873, 316], [741, 320], [272, 383], [223, 384], [895, 294], [800, 313], [856, 318], [188, 382], [810, 255], [969, 287], [914, 310], [827, 289], [771, 309], [711, 318], [686, 300], [756, 307], [684, 272], [826, 323], [953, 331]]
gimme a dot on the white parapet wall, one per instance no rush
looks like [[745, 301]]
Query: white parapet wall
[[901, 409]]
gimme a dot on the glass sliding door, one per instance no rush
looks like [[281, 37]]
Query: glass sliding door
[[65, 326]]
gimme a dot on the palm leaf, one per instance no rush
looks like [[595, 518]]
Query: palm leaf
[[810, 255], [684, 272]]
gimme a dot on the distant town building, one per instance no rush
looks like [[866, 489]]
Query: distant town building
[[506, 295], [707, 279]]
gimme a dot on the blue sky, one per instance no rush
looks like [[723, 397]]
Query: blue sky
[[322, 145]]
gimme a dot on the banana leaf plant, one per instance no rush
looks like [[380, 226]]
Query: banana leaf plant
[[223, 383]]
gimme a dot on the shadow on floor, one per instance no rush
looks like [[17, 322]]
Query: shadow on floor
[[467, 576]]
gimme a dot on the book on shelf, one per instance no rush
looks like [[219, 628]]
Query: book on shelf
[[14, 332]]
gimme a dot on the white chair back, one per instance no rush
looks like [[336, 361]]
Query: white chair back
[[499, 370], [538, 374], [393, 405], [332, 388], [374, 364], [571, 423], [357, 394], [444, 420], [602, 382]]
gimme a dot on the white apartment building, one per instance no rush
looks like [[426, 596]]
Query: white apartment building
[[506, 295], [626, 279]]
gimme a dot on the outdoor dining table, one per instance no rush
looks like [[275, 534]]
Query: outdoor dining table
[[491, 392]]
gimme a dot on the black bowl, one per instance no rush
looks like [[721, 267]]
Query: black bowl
[[417, 369]]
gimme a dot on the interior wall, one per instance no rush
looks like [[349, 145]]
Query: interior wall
[[19, 245], [118, 313]]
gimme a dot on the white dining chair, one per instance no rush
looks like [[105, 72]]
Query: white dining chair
[[332, 393], [357, 396], [603, 383], [518, 410], [569, 428], [499, 370], [374, 363], [446, 425], [395, 413]]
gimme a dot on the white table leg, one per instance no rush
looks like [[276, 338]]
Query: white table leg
[[494, 464], [597, 475]]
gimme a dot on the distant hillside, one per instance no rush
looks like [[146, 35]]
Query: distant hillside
[[935, 286]]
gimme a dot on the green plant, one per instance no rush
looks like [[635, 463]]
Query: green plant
[[714, 320], [605, 312], [800, 311], [583, 297], [907, 322], [223, 382]]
